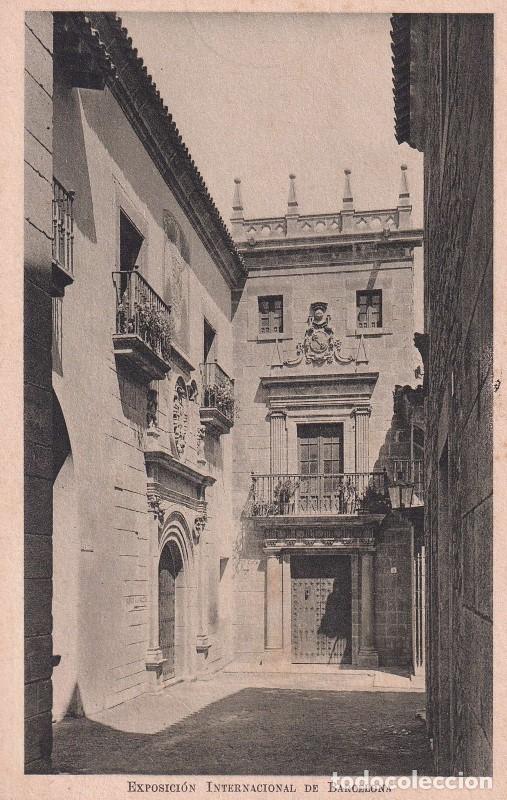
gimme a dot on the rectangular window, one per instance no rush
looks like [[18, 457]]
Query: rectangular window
[[369, 309], [271, 314], [63, 227], [209, 347], [131, 241]]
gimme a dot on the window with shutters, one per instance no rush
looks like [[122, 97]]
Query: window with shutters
[[271, 314], [369, 309]]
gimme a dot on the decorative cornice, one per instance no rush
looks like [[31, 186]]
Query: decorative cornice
[[160, 458], [140, 100], [414, 237], [410, 65], [168, 495], [289, 390], [319, 543], [334, 525], [325, 251]]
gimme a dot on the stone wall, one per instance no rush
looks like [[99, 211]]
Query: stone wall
[[389, 352], [458, 311], [393, 595], [38, 393], [98, 155]]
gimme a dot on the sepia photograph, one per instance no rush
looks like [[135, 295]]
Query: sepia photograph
[[258, 400]]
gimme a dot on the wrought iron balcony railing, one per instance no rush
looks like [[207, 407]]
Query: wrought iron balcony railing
[[217, 390], [63, 228], [410, 471], [306, 495], [141, 312]]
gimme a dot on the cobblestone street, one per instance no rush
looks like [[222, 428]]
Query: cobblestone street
[[277, 725]]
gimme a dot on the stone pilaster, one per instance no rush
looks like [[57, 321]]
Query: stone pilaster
[[362, 418], [274, 602], [367, 656], [154, 655], [418, 611], [203, 587], [278, 433]]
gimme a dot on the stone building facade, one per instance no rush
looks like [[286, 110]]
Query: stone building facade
[[129, 274], [323, 335], [38, 402], [443, 88], [211, 423]]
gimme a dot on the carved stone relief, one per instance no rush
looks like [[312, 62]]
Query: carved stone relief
[[319, 345], [180, 416], [199, 525]]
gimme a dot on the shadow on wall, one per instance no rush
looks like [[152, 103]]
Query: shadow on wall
[[248, 543], [70, 153], [66, 573], [213, 452], [106, 119], [134, 402], [399, 443]]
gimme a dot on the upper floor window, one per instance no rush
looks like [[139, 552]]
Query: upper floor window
[[131, 241], [63, 227], [210, 343], [369, 308], [271, 314]]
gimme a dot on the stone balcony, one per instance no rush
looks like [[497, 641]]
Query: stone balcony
[[217, 408], [142, 337], [318, 500]]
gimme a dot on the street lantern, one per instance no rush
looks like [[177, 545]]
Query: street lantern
[[400, 493]]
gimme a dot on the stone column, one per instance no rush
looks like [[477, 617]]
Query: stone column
[[274, 602], [362, 417], [367, 656], [418, 611], [202, 644], [278, 430], [154, 656]]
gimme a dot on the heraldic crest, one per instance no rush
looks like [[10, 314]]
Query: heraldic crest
[[319, 345]]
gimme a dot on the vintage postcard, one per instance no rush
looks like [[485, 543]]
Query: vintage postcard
[[258, 400]]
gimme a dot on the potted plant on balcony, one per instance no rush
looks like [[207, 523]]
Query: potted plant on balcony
[[154, 326], [220, 396], [283, 493], [375, 501]]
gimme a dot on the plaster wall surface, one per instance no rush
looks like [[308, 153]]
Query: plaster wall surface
[[98, 156]]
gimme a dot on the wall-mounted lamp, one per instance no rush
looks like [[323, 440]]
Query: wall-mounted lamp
[[401, 493]]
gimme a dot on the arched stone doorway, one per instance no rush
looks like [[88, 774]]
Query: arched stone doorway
[[170, 611]]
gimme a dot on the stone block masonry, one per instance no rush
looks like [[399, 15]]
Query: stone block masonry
[[447, 112], [38, 392]]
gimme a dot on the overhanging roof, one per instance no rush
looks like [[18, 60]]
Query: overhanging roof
[[117, 65]]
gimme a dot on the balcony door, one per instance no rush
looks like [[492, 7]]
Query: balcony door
[[320, 453]]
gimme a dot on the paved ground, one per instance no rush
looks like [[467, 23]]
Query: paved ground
[[250, 725]]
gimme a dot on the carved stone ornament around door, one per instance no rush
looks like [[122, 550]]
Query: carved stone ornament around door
[[156, 506], [319, 345], [199, 525], [180, 416]]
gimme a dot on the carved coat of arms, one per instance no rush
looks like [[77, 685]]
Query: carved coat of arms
[[319, 345]]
